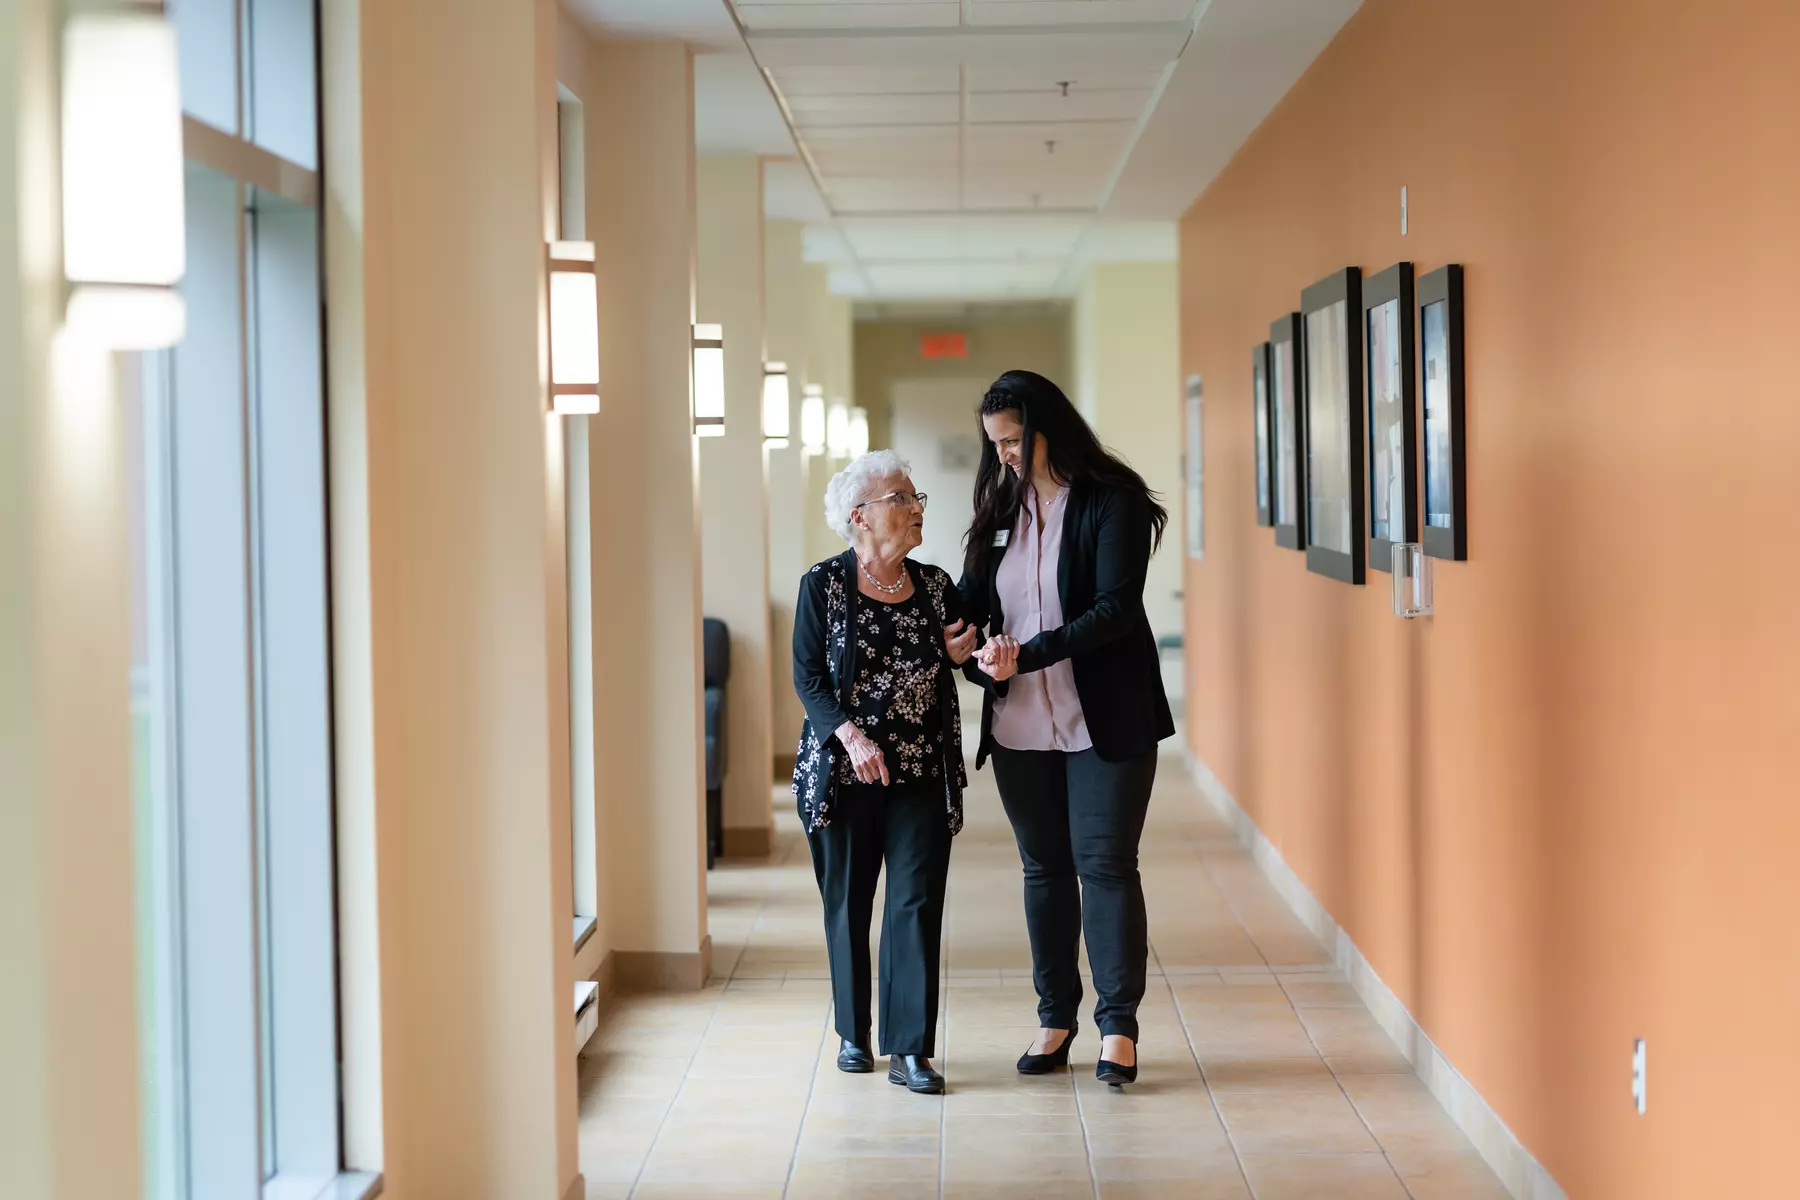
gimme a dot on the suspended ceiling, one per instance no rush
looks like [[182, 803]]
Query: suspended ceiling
[[983, 150]]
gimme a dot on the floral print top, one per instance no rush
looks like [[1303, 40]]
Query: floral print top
[[827, 669], [894, 697]]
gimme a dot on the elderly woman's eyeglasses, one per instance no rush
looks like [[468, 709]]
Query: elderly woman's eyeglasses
[[905, 499]]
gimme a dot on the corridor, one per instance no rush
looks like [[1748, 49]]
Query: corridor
[[1263, 1075]]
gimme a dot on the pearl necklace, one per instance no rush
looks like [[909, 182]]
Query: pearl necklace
[[888, 589]]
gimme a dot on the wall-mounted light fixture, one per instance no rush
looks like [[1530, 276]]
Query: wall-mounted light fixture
[[709, 380], [124, 209], [574, 329], [775, 404], [812, 419], [837, 430], [859, 432]]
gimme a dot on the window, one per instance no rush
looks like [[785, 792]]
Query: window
[[231, 664], [573, 226]]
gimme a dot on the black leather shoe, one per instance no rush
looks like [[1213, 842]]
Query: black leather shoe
[[854, 1060], [914, 1073], [1114, 1075], [1043, 1064]]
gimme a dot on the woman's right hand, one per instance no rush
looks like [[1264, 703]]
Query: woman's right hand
[[999, 658], [866, 759]]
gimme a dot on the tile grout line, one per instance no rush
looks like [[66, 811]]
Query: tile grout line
[[1188, 1035], [1087, 1143], [1305, 1028], [700, 1043], [944, 990]]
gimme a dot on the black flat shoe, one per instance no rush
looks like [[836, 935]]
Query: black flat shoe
[[1043, 1064], [913, 1072], [1113, 1074], [854, 1060]]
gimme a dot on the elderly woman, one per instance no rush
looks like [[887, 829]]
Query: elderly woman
[[879, 774]]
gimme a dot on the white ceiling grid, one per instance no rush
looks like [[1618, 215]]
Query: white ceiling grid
[[963, 147], [932, 148]]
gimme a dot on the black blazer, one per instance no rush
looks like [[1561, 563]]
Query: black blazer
[[1105, 634]]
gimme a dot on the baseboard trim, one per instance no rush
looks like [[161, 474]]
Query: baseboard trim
[[662, 970], [749, 841], [1518, 1169]]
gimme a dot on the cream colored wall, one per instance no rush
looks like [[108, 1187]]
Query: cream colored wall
[[1127, 384], [831, 363], [445, 580], [784, 307], [734, 496], [645, 506], [68, 1024]]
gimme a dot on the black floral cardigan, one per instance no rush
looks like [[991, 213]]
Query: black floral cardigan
[[825, 667]]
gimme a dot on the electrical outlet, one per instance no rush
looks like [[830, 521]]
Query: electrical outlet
[[1638, 1084]]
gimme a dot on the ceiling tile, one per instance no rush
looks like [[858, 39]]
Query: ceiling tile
[[940, 108], [891, 14], [1021, 14], [851, 81], [1052, 106]]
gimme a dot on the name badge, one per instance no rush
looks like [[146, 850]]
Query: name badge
[[1002, 536]]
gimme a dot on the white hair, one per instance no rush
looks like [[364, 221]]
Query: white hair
[[850, 487]]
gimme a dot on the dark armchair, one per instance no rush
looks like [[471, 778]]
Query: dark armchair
[[716, 649]]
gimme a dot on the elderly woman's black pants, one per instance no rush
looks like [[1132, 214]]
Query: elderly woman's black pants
[[905, 825]]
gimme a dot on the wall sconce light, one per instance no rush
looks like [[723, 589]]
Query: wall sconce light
[[775, 405], [709, 380], [812, 420], [124, 208], [837, 430], [574, 329], [859, 432]]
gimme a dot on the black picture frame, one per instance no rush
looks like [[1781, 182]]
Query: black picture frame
[[1330, 311], [1440, 317], [1390, 413], [1287, 430], [1264, 445]]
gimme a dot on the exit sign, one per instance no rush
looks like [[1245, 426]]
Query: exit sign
[[944, 345]]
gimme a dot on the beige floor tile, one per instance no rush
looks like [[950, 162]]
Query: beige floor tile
[[1318, 1176], [1225, 1075], [1458, 1176], [733, 1090], [1321, 994], [1296, 1123]]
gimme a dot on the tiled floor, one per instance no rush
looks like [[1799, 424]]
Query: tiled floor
[[1262, 1073]]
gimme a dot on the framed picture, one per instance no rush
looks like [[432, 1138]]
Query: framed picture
[[1195, 468], [1441, 371], [1392, 446], [1265, 454], [1287, 414], [1331, 310]]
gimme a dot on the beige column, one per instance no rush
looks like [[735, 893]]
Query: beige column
[[830, 341], [1128, 385], [68, 1023], [784, 303], [453, 842], [648, 734], [734, 493]]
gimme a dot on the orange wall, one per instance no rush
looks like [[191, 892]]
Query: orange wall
[[1565, 812]]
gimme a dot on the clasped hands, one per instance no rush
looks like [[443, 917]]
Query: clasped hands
[[999, 659]]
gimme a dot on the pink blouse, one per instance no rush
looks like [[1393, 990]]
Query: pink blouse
[[1040, 711]]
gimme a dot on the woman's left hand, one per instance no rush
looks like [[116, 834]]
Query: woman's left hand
[[960, 644]]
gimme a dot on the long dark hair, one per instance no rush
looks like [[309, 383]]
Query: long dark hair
[[1075, 454]]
